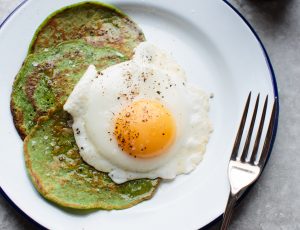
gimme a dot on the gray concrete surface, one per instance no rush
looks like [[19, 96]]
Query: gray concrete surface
[[274, 202]]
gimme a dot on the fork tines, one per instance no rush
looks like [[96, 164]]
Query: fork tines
[[266, 146]]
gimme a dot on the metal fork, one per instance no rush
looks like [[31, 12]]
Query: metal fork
[[243, 173]]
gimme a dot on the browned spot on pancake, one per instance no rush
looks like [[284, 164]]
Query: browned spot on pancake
[[18, 120], [61, 85], [30, 87], [34, 79]]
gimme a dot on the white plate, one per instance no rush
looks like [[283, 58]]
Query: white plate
[[218, 51]]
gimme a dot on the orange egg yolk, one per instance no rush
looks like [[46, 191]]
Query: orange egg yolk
[[144, 129]]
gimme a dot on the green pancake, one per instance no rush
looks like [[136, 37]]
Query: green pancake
[[98, 24], [47, 78], [61, 176]]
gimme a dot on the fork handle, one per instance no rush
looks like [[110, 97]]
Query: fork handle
[[228, 211]]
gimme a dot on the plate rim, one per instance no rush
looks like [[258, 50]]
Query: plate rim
[[276, 95]]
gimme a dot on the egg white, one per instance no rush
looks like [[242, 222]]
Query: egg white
[[152, 75]]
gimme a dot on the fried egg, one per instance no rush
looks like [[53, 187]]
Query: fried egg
[[140, 118]]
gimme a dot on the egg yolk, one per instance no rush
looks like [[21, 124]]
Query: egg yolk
[[144, 129]]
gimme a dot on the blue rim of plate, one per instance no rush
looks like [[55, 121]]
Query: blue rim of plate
[[275, 89]]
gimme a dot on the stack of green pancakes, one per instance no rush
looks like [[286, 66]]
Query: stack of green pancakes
[[62, 49]]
